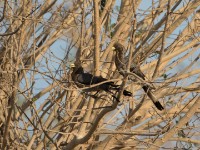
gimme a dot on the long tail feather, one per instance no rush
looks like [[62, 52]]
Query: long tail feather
[[152, 97], [127, 93]]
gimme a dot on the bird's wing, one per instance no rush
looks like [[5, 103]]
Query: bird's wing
[[150, 94], [135, 69], [120, 64], [85, 78], [89, 79]]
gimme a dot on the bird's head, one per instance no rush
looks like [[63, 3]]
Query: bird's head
[[76, 69], [118, 47], [72, 65]]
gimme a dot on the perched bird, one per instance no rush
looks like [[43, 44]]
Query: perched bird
[[121, 66], [82, 79]]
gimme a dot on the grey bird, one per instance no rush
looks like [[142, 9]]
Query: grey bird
[[121, 66], [82, 79]]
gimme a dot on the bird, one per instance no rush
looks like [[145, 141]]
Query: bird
[[121, 67], [82, 79]]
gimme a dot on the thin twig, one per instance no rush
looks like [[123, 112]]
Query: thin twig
[[163, 42], [23, 20], [176, 128]]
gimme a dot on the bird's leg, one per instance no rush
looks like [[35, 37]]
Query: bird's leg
[[93, 96], [96, 93], [113, 95]]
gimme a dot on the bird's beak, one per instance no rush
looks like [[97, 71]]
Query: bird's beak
[[113, 48]]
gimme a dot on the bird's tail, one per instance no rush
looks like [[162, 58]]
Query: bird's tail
[[117, 88], [127, 93], [152, 97]]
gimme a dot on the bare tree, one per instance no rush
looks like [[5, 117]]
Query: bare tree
[[41, 107]]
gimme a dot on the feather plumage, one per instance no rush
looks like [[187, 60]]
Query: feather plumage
[[121, 66]]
